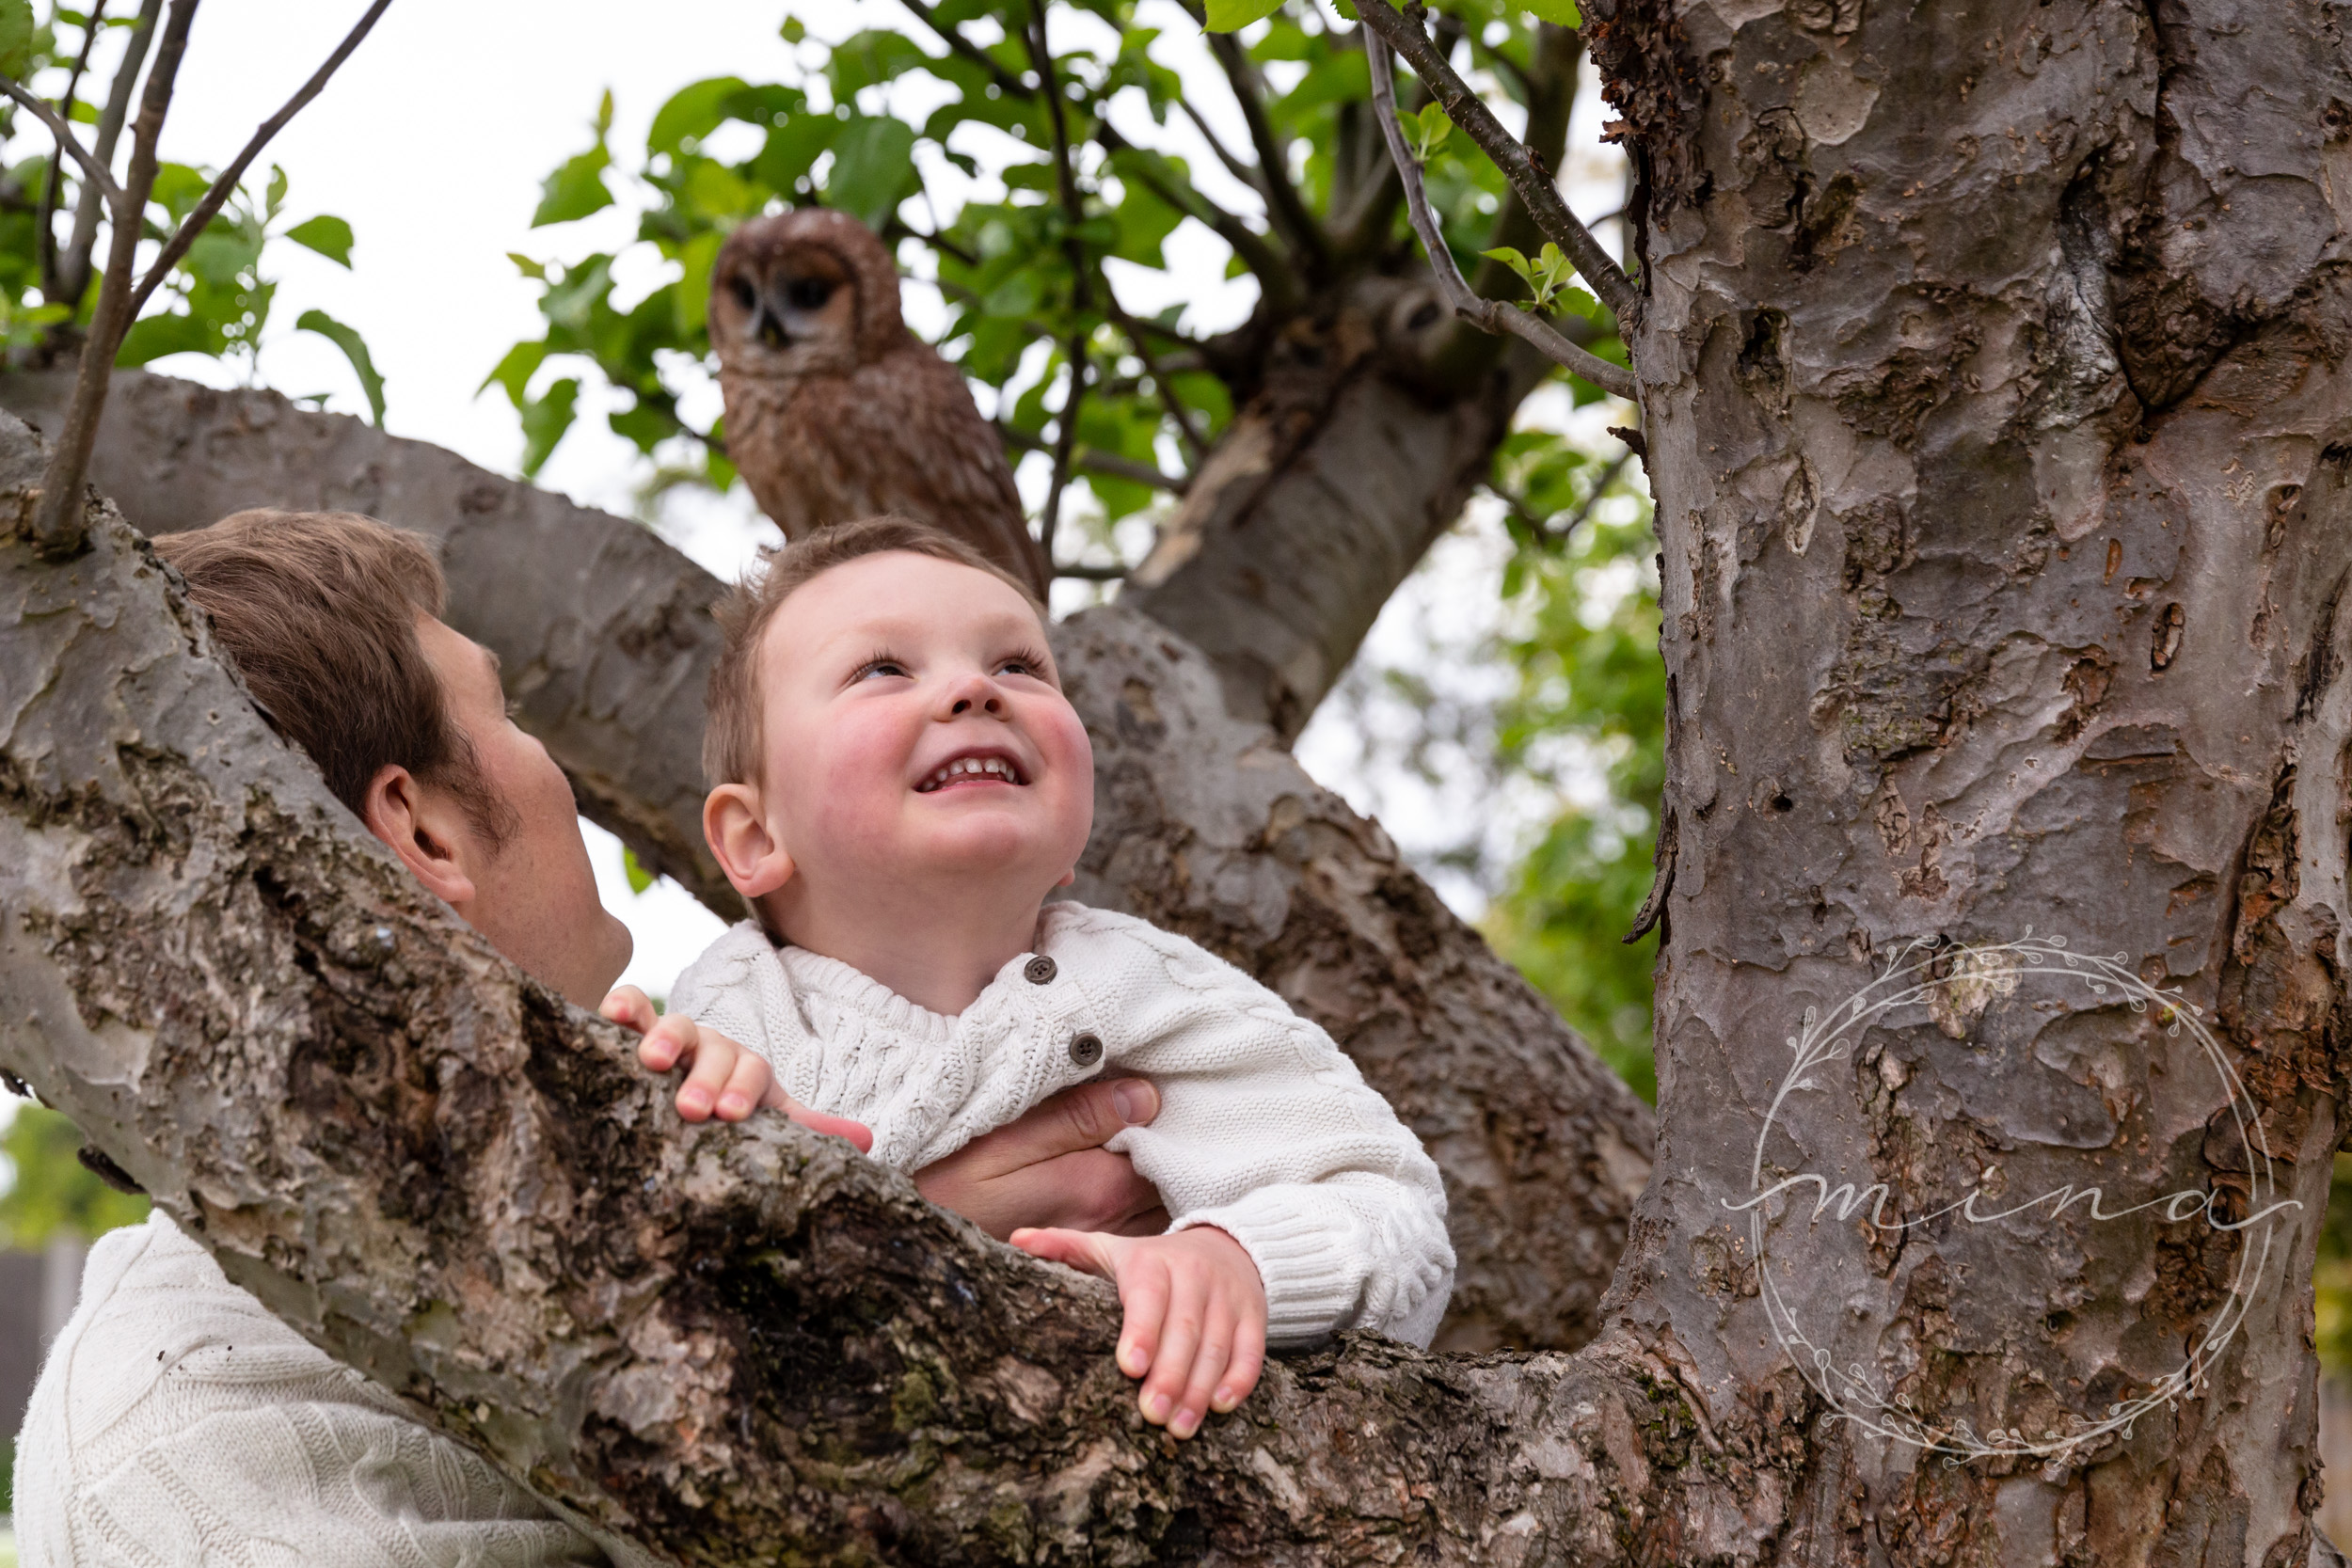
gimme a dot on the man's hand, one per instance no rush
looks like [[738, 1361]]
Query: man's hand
[[1048, 1167], [722, 1079], [1195, 1328]]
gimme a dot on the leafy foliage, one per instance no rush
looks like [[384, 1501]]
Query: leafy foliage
[[1589, 676], [215, 301], [1030, 224], [49, 1189]]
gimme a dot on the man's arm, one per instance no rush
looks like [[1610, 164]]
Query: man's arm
[[1048, 1168]]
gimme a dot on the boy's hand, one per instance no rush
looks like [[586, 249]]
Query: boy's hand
[[1195, 1315], [722, 1079]]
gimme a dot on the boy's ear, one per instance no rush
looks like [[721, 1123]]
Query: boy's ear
[[748, 853], [423, 826]]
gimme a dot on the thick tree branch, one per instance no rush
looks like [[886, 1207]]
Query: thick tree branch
[[185, 235], [1202, 824], [1491, 315], [1534, 187]]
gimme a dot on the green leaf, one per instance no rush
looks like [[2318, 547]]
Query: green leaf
[[527, 267], [577, 188], [792, 147], [356, 350], [1560, 13], [700, 258], [692, 112], [638, 877], [514, 372], [330, 236], [545, 420], [152, 336], [1510, 256], [1227, 16], [17, 28], [873, 168], [793, 30]]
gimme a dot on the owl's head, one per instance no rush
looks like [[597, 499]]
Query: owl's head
[[806, 293]]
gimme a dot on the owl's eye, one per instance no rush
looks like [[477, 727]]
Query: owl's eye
[[744, 294], [807, 293]]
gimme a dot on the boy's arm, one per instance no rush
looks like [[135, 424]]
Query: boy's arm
[[1268, 1133]]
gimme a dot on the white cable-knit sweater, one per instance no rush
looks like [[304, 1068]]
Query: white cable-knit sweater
[[177, 1421], [1266, 1131]]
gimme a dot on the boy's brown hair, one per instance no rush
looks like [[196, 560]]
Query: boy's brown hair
[[318, 610], [731, 739]]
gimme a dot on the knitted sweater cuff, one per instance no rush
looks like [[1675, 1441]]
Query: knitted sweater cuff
[[1311, 1257]]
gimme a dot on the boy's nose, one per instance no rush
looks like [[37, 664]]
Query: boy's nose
[[976, 693]]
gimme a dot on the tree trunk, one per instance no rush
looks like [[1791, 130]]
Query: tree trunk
[[1202, 824], [2000, 423]]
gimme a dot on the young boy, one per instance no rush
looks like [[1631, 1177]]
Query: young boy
[[900, 783]]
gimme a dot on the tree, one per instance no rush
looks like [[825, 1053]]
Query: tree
[[2000, 605]]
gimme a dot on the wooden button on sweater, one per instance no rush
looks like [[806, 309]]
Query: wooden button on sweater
[[1086, 1049], [1038, 971]]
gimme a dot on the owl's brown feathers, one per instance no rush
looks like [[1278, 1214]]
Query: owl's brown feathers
[[834, 410]]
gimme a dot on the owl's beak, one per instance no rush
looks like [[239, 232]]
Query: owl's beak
[[768, 330]]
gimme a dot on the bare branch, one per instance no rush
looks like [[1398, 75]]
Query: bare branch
[[59, 526], [1533, 185], [1274, 276], [1541, 527], [953, 38], [74, 268], [1091, 574], [1283, 205], [186, 234], [67, 143], [1240, 167], [1195, 443], [45, 219], [1089, 460], [1491, 315]]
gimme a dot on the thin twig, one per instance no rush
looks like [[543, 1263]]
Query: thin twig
[[952, 35], [1196, 445], [1273, 274], [73, 271], [1091, 574], [1081, 282], [44, 220], [1535, 186], [1238, 166], [1491, 315], [186, 234], [91, 167], [60, 523], [1274, 173], [1090, 460]]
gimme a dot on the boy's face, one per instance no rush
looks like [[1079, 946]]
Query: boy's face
[[914, 725]]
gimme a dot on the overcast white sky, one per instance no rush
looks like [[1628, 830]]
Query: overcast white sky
[[432, 141]]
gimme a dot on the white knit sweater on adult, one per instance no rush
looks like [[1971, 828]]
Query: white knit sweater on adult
[[1266, 1131], [177, 1422]]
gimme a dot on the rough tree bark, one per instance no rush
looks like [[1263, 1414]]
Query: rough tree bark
[[1999, 422], [1204, 824]]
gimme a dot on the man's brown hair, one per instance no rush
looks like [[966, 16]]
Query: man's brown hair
[[731, 737], [318, 610]]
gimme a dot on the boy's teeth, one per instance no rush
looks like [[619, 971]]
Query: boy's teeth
[[990, 766]]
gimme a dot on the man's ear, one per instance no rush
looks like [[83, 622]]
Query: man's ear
[[423, 827], [748, 853]]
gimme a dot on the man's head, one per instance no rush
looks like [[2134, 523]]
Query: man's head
[[334, 621], [900, 727]]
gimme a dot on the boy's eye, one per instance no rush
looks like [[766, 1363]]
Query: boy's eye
[[873, 667]]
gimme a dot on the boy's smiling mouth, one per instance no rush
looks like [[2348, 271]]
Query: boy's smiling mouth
[[972, 768]]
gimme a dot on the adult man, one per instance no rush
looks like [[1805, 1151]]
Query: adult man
[[176, 1419]]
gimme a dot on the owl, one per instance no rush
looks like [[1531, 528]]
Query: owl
[[834, 410]]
